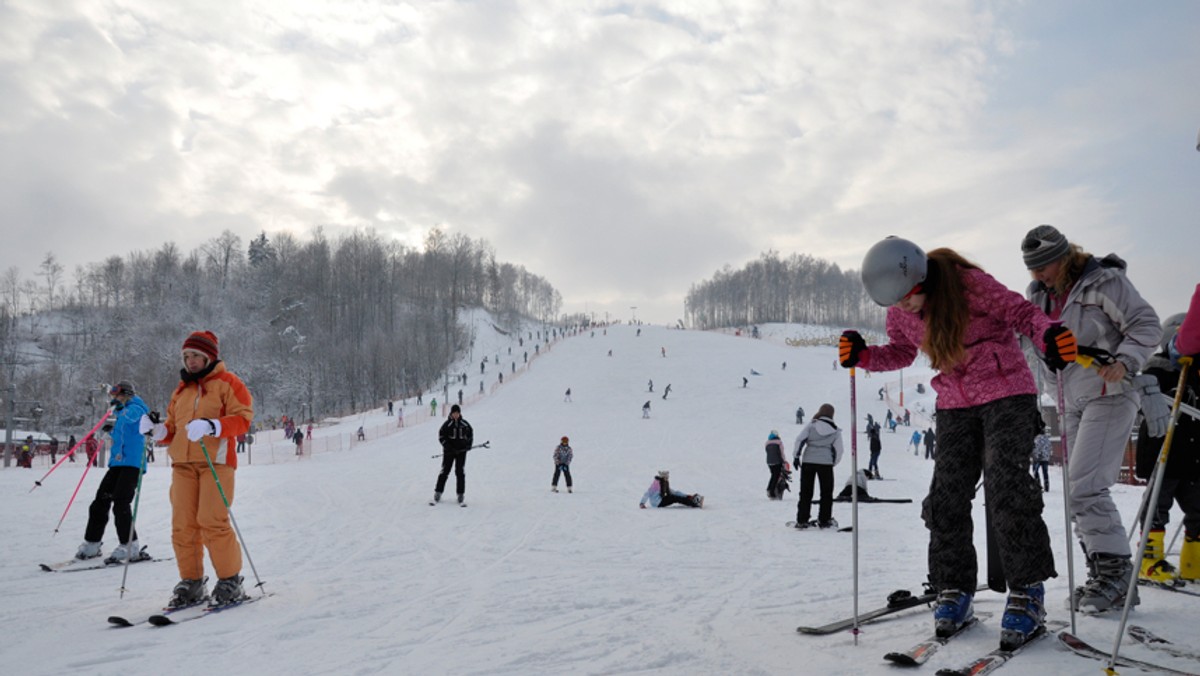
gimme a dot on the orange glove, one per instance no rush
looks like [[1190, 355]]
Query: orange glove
[[850, 347], [1060, 347]]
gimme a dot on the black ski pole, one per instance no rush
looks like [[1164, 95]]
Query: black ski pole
[[486, 444], [137, 499]]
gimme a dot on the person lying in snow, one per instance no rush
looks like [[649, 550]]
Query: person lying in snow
[[660, 494]]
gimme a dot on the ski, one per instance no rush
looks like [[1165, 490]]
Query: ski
[[1155, 642], [166, 619], [73, 567], [921, 652], [812, 525], [894, 501], [1081, 647], [1180, 588], [123, 621], [897, 601], [997, 658]]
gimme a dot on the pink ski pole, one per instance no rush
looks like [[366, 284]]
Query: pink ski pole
[[72, 500], [70, 452]]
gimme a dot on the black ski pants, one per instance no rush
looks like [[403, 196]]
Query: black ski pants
[[565, 470], [116, 492], [1187, 494], [824, 474], [993, 439], [773, 488], [457, 460]]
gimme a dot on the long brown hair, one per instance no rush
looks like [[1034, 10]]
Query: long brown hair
[[946, 311], [1070, 271]]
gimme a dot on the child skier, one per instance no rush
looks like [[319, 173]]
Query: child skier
[[562, 463], [776, 463]]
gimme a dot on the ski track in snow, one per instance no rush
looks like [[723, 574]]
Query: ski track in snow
[[368, 579]]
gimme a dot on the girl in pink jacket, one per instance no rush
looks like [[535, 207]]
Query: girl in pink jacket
[[967, 324]]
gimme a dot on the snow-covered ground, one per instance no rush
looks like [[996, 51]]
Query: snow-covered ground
[[369, 579]]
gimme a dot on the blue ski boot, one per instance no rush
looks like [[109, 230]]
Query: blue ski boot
[[1024, 615], [954, 607]]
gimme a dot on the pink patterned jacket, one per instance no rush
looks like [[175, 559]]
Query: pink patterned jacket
[[995, 366], [1187, 341]]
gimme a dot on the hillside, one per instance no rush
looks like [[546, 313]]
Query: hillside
[[369, 579]]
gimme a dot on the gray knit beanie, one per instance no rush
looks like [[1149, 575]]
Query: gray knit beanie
[[1043, 245]]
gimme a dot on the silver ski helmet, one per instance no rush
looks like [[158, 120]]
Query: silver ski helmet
[[892, 268], [1171, 327]]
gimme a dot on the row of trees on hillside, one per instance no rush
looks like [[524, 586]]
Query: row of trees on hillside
[[314, 326], [798, 289]]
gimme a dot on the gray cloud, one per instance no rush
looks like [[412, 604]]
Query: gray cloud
[[622, 151]]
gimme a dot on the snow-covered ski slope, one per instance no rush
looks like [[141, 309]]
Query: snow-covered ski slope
[[368, 579]]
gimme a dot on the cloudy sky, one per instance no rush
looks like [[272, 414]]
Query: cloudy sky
[[622, 150]]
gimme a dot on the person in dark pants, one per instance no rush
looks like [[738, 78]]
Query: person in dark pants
[[456, 437], [967, 323], [818, 448], [117, 488], [775, 462], [660, 494], [1181, 478], [876, 446], [562, 464]]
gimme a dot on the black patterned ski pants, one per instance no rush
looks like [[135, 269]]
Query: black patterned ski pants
[[994, 439]]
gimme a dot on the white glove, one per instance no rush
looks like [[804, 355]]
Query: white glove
[[148, 426], [1154, 405], [202, 427]]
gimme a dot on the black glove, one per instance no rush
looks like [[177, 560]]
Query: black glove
[[850, 347], [1060, 347]]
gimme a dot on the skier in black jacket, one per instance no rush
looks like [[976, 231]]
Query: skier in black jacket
[[456, 437]]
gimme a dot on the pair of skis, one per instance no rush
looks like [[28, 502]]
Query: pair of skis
[[77, 565], [169, 616]]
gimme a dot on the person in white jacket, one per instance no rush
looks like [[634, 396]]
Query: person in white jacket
[[818, 449]]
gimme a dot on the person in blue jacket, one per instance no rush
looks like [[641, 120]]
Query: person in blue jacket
[[120, 482]]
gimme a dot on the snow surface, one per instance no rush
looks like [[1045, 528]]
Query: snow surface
[[369, 579]]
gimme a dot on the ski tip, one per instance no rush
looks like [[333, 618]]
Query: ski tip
[[118, 621], [46, 568], [160, 620]]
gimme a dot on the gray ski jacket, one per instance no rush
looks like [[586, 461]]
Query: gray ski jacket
[[1103, 310], [819, 443]]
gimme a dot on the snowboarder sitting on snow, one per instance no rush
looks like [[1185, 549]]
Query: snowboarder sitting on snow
[[863, 494], [660, 494], [562, 464]]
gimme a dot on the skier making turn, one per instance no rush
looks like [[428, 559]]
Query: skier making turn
[[966, 323]]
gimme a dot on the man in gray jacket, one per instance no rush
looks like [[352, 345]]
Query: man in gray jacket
[[1097, 302], [818, 448]]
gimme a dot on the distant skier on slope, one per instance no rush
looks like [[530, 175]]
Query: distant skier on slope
[[456, 437], [563, 455]]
